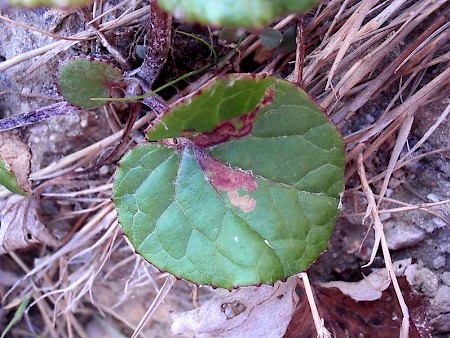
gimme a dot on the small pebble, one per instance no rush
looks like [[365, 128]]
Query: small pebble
[[439, 223], [399, 235], [445, 278], [426, 282], [439, 262], [433, 198]]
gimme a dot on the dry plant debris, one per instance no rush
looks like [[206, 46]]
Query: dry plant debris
[[345, 317], [375, 66], [20, 225], [263, 311]]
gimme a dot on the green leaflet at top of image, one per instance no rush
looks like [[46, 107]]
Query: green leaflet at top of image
[[235, 13], [254, 207], [81, 79]]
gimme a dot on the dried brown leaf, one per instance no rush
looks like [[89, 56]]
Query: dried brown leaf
[[372, 286], [20, 225], [345, 317], [263, 311]]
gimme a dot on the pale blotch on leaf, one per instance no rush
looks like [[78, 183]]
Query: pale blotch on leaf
[[230, 180]]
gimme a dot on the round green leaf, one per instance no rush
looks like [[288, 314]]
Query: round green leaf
[[81, 79], [270, 38], [254, 207], [236, 13]]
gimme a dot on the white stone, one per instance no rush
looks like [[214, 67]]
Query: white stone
[[400, 235]]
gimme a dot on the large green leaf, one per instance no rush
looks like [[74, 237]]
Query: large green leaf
[[240, 203], [81, 79], [237, 13]]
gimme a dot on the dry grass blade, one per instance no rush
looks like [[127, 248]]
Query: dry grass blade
[[401, 140], [56, 36], [43, 306], [372, 209], [56, 47], [429, 132], [322, 331], [349, 30], [425, 207], [163, 292]]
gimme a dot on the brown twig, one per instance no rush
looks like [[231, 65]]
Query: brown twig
[[299, 53], [159, 27]]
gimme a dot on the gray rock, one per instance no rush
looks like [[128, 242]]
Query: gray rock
[[426, 282], [439, 262], [445, 278], [440, 309], [441, 323], [400, 235], [441, 301]]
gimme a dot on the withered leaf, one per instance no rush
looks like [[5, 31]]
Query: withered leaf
[[263, 311], [345, 317], [20, 226]]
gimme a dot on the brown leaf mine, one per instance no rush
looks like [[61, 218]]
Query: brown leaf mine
[[230, 180], [231, 129]]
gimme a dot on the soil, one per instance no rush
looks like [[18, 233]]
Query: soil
[[411, 234]]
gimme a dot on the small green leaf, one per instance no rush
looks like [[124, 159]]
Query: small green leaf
[[236, 13], [231, 34], [81, 79], [8, 179], [17, 316], [15, 164], [289, 43], [50, 3], [235, 204], [270, 38]]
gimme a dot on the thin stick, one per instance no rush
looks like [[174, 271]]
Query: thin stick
[[299, 53], [429, 132], [402, 138], [380, 238], [41, 114], [56, 36], [322, 331], [42, 306]]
